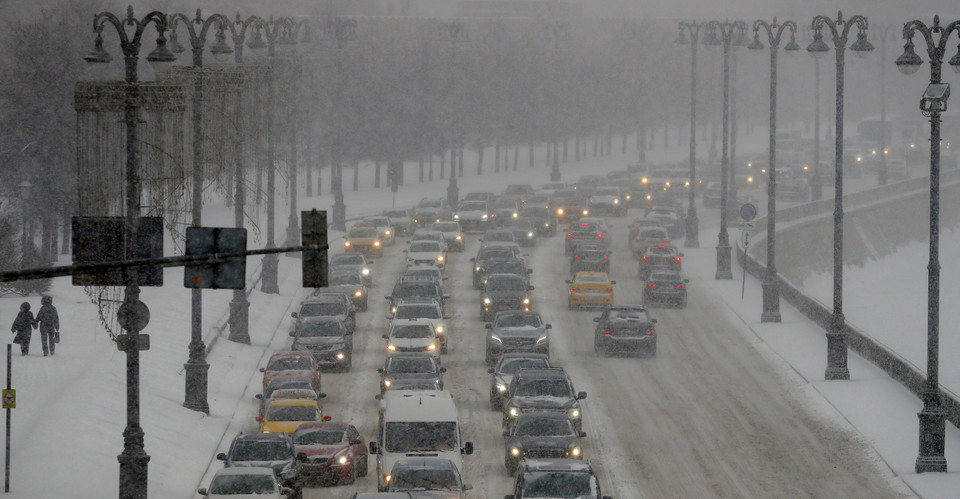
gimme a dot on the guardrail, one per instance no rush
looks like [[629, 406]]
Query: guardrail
[[799, 222]]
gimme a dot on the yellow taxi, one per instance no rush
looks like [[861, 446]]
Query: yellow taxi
[[285, 415], [364, 240], [590, 288]]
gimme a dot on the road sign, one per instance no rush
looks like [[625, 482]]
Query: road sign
[[745, 238], [747, 226], [10, 399], [748, 211]]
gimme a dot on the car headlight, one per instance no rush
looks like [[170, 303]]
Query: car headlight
[[459, 237], [513, 412], [546, 224], [586, 212], [440, 258], [515, 215], [387, 383], [391, 347], [514, 451], [386, 478], [559, 211], [487, 301], [376, 243], [627, 197], [365, 271], [456, 216], [358, 293], [409, 259], [346, 243], [575, 451], [484, 216], [345, 459], [526, 301], [476, 268], [529, 234], [440, 329], [501, 387], [431, 347], [542, 339], [265, 430], [340, 356], [387, 233], [575, 413], [496, 338], [393, 310], [616, 201]]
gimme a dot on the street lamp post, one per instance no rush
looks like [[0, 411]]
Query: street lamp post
[[885, 31], [934, 101], [341, 30], [271, 262], [26, 189], [291, 40], [196, 368], [836, 334], [454, 33], [725, 38], [770, 282], [692, 239], [556, 32], [132, 315]]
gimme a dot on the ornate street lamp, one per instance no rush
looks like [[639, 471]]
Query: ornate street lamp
[[770, 281], [133, 315], [836, 334], [341, 30], [292, 36], [692, 239], [727, 39], [556, 32], [933, 102], [454, 33]]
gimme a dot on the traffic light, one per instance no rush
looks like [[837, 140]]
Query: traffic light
[[219, 273], [313, 237]]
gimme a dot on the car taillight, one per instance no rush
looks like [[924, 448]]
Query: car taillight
[[644, 257], [569, 234], [573, 288], [576, 256], [678, 259], [680, 286], [609, 288], [606, 257], [600, 236], [641, 239], [650, 333], [606, 332], [651, 284], [634, 231], [666, 240]]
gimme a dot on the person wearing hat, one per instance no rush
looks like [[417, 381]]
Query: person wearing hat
[[49, 325], [21, 327]]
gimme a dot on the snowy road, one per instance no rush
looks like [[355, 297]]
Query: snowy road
[[709, 416]]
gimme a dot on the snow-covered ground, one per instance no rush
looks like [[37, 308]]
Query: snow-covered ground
[[66, 429]]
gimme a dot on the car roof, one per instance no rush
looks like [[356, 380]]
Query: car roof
[[433, 463], [325, 296], [524, 355], [324, 424], [261, 437], [541, 373], [291, 353], [296, 401], [573, 465], [246, 470]]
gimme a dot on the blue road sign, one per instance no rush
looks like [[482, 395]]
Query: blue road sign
[[748, 211]]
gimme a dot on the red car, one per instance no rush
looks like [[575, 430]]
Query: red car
[[335, 452], [297, 363]]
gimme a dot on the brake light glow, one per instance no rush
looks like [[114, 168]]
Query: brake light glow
[[678, 259], [569, 234], [634, 231], [606, 257], [576, 256], [573, 288], [606, 332], [649, 333], [600, 235], [609, 288], [644, 257], [680, 286], [651, 284]]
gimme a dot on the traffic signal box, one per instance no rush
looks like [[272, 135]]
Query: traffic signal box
[[218, 272], [313, 238]]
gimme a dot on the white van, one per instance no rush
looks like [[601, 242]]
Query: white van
[[417, 424]]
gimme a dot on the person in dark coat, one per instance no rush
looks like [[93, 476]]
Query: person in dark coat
[[49, 325], [21, 327]]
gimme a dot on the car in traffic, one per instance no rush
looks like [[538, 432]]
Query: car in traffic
[[524, 230], [427, 312], [497, 236], [411, 335], [286, 414], [669, 219], [416, 288], [452, 234], [507, 366], [544, 218], [516, 331], [327, 303], [590, 289], [592, 257], [584, 231], [351, 284], [362, 239], [541, 435], [507, 266], [400, 220], [666, 287], [384, 227], [427, 474], [607, 200], [648, 236], [355, 262], [504, 208], [328, 340], [556, 478], [424, 234], [333, 452], [625, 329], [231, 483], [425, 253], [490, 253], [571, 205], [266, 450], [283, 383], [505, 292], [429, 210], [543, 389], [292, 363], [410, 366], [431, 272], [659, 257], [473, 215]]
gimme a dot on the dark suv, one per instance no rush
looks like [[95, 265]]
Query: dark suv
[[625, 328], [491, 253], [516, 331], [416, 287], [590, 257], [556, 478], [539, 435], [329, 304], [328, 340], [272, 450], [545, 389], [505, 292]]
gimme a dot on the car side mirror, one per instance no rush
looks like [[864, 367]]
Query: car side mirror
[[301, 456], [378, 397], [202, 491], [263, 370], [293, 314], [686, 281], [444, 278], [390, 316], [258, 396], [613, 282], [389, 297], [581, 395], [490, 370], [653, 321], [488, 325], [222, 456], [373, 448], [511, 496], [505, 433], [583, 434], [446, 296], [681, 254], [293, 333], [567, 281], [385, 336], [380, 370], [443, 369], [468, 448], [259, 418], [328, 418], [596, 319], [609, 252], [529, 271], [467, 487], [446, 316], [548, 326], [474, 259], [530, 288], [321, 395]]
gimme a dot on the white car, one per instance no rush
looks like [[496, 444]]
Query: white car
[[423, 311], [473, 215], [384, 227], [425, 253], [412, 335], [452, 234], [253, 481]]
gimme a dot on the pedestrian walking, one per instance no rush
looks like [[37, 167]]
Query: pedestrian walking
[[49, 325], [22, 326]]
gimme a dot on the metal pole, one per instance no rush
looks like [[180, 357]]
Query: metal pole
[[692, 239], [239, 306], [293, 225], [733, 196], [723, 244], [6, 461], [816, 190], [882, 169], [271, 262]]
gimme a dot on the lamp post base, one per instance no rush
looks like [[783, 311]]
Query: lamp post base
[[196, 382], [723, 261], [453, 193], [932, 432], [338, 217], [269, 274], [555, 173], [133, 465], [771, 297], [692, 239], [239, 318]]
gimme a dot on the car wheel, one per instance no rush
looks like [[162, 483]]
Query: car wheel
[[362, 471], [443, 348], [352, 477], [489, 359], [495, 402], [652, 350], [363, 306], [596, 345], [511, 466]]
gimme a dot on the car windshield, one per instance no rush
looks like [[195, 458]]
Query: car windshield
[[396, 214], [425, 247], [345, 280], [346, 259], [320, 329], [429, 203], [291, 362], [319, 436], [661, 251], [287, 383], [243, 484], [322, 309], [414, 384], [417, 289], [502, 236], [664, 276], [511, 267], [376, 222], [411, 365], [473, 207], [606, 191], [425, 479], [261, 451], [543, 427], [412, 331], [656, 233], [558, 485], [497, 253], [543, 387], [446, 226], [592, 278], [413, 436], [519, 320], [363, 232], [418, 312], [292, 413], [513, 365], [431, 273], [536, 212], [506, 284]]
